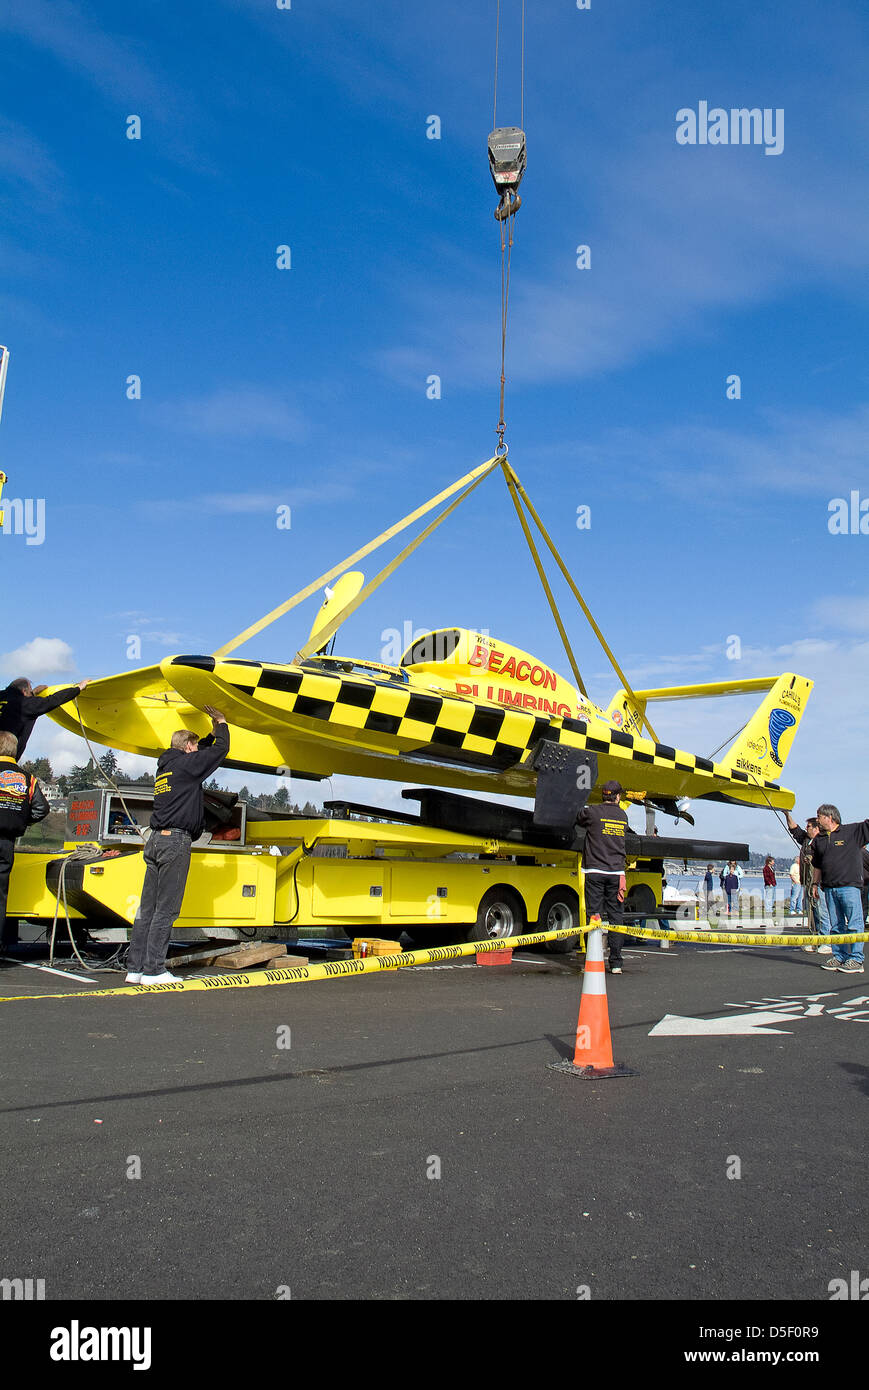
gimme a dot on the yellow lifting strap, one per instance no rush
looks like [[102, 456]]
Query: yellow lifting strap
[[542, 576], [513, 478], [476, 473], [323, 634]]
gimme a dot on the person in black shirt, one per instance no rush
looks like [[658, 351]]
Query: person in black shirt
[[816, 908], [21, 706], [838, 872], [603, 864], [21, 804], [177, 820]]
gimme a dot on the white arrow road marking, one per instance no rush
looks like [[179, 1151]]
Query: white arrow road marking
[[675, 1025]]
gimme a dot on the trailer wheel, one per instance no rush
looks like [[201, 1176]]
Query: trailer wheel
[[640, 898], [559, 909], [501, 913]]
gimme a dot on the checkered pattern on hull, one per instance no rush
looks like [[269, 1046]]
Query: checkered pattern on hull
[[444, 725]]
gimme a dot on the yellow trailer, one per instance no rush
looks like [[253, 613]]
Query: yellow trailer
[[357, 867]]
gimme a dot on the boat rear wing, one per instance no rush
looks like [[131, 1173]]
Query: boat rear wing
[[762, 745]]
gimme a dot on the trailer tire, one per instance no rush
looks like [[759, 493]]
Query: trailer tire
[[641, 898], [501, 913], [559, 908]]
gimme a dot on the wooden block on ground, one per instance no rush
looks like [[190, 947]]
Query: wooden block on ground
[[286, 962], [248, 955]]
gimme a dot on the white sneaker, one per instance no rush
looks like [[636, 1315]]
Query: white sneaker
[[164, 979], [133, 978], [825, 950]]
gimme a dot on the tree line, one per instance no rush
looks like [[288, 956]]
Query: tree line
[[81, 778]]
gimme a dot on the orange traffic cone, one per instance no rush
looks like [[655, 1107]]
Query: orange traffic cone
[[593, 1057]]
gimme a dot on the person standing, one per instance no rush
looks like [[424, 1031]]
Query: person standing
[[603, 864], [730, 883], [818, 917], [796, 902], [838, 873], [21, 706], [769, 882], [21, 804], [708, 884], [177, 820]]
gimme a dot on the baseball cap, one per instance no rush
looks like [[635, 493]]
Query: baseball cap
[[609, 787]]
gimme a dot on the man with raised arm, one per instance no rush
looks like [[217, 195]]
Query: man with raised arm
[[177, 820], [21, 706]]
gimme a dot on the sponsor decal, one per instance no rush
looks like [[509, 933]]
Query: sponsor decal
[[513, 669], [779, 721], [618, 718], [516, 699], [745, 766]]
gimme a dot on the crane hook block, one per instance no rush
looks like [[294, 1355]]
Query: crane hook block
[[507, 159]]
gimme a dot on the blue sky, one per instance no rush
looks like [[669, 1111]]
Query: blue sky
[[307, 387]]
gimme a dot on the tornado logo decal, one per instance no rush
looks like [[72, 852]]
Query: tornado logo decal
[[779, 720]]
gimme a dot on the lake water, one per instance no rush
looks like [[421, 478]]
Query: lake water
[[750, 888]]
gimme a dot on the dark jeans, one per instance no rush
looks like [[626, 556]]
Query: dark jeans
[[602, 896], [8, 936], [167, 859]]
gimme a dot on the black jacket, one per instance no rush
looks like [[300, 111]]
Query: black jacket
[[178, 800], [838, 855], [19, 713], [604, 826], [21, 800]]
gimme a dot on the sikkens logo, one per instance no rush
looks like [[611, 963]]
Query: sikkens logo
[[745, 766]]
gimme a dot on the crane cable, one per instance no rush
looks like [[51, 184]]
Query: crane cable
[[521, 68], [506, 234]]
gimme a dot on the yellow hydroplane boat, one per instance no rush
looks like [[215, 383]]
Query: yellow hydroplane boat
[[461, 709]]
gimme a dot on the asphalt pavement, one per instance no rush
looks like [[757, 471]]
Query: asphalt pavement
[[411, 1142]]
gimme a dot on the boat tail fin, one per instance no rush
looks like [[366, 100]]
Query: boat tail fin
[[765, 742], [627, 712]]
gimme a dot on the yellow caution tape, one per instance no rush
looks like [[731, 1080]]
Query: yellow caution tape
[[741, 938], [370, 965], [332, 970]]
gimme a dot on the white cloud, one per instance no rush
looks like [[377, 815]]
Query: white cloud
[[117, 67], [248, 503], [42, 656], [842, 612], [131, 764], [63, 749], [243, 412]]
